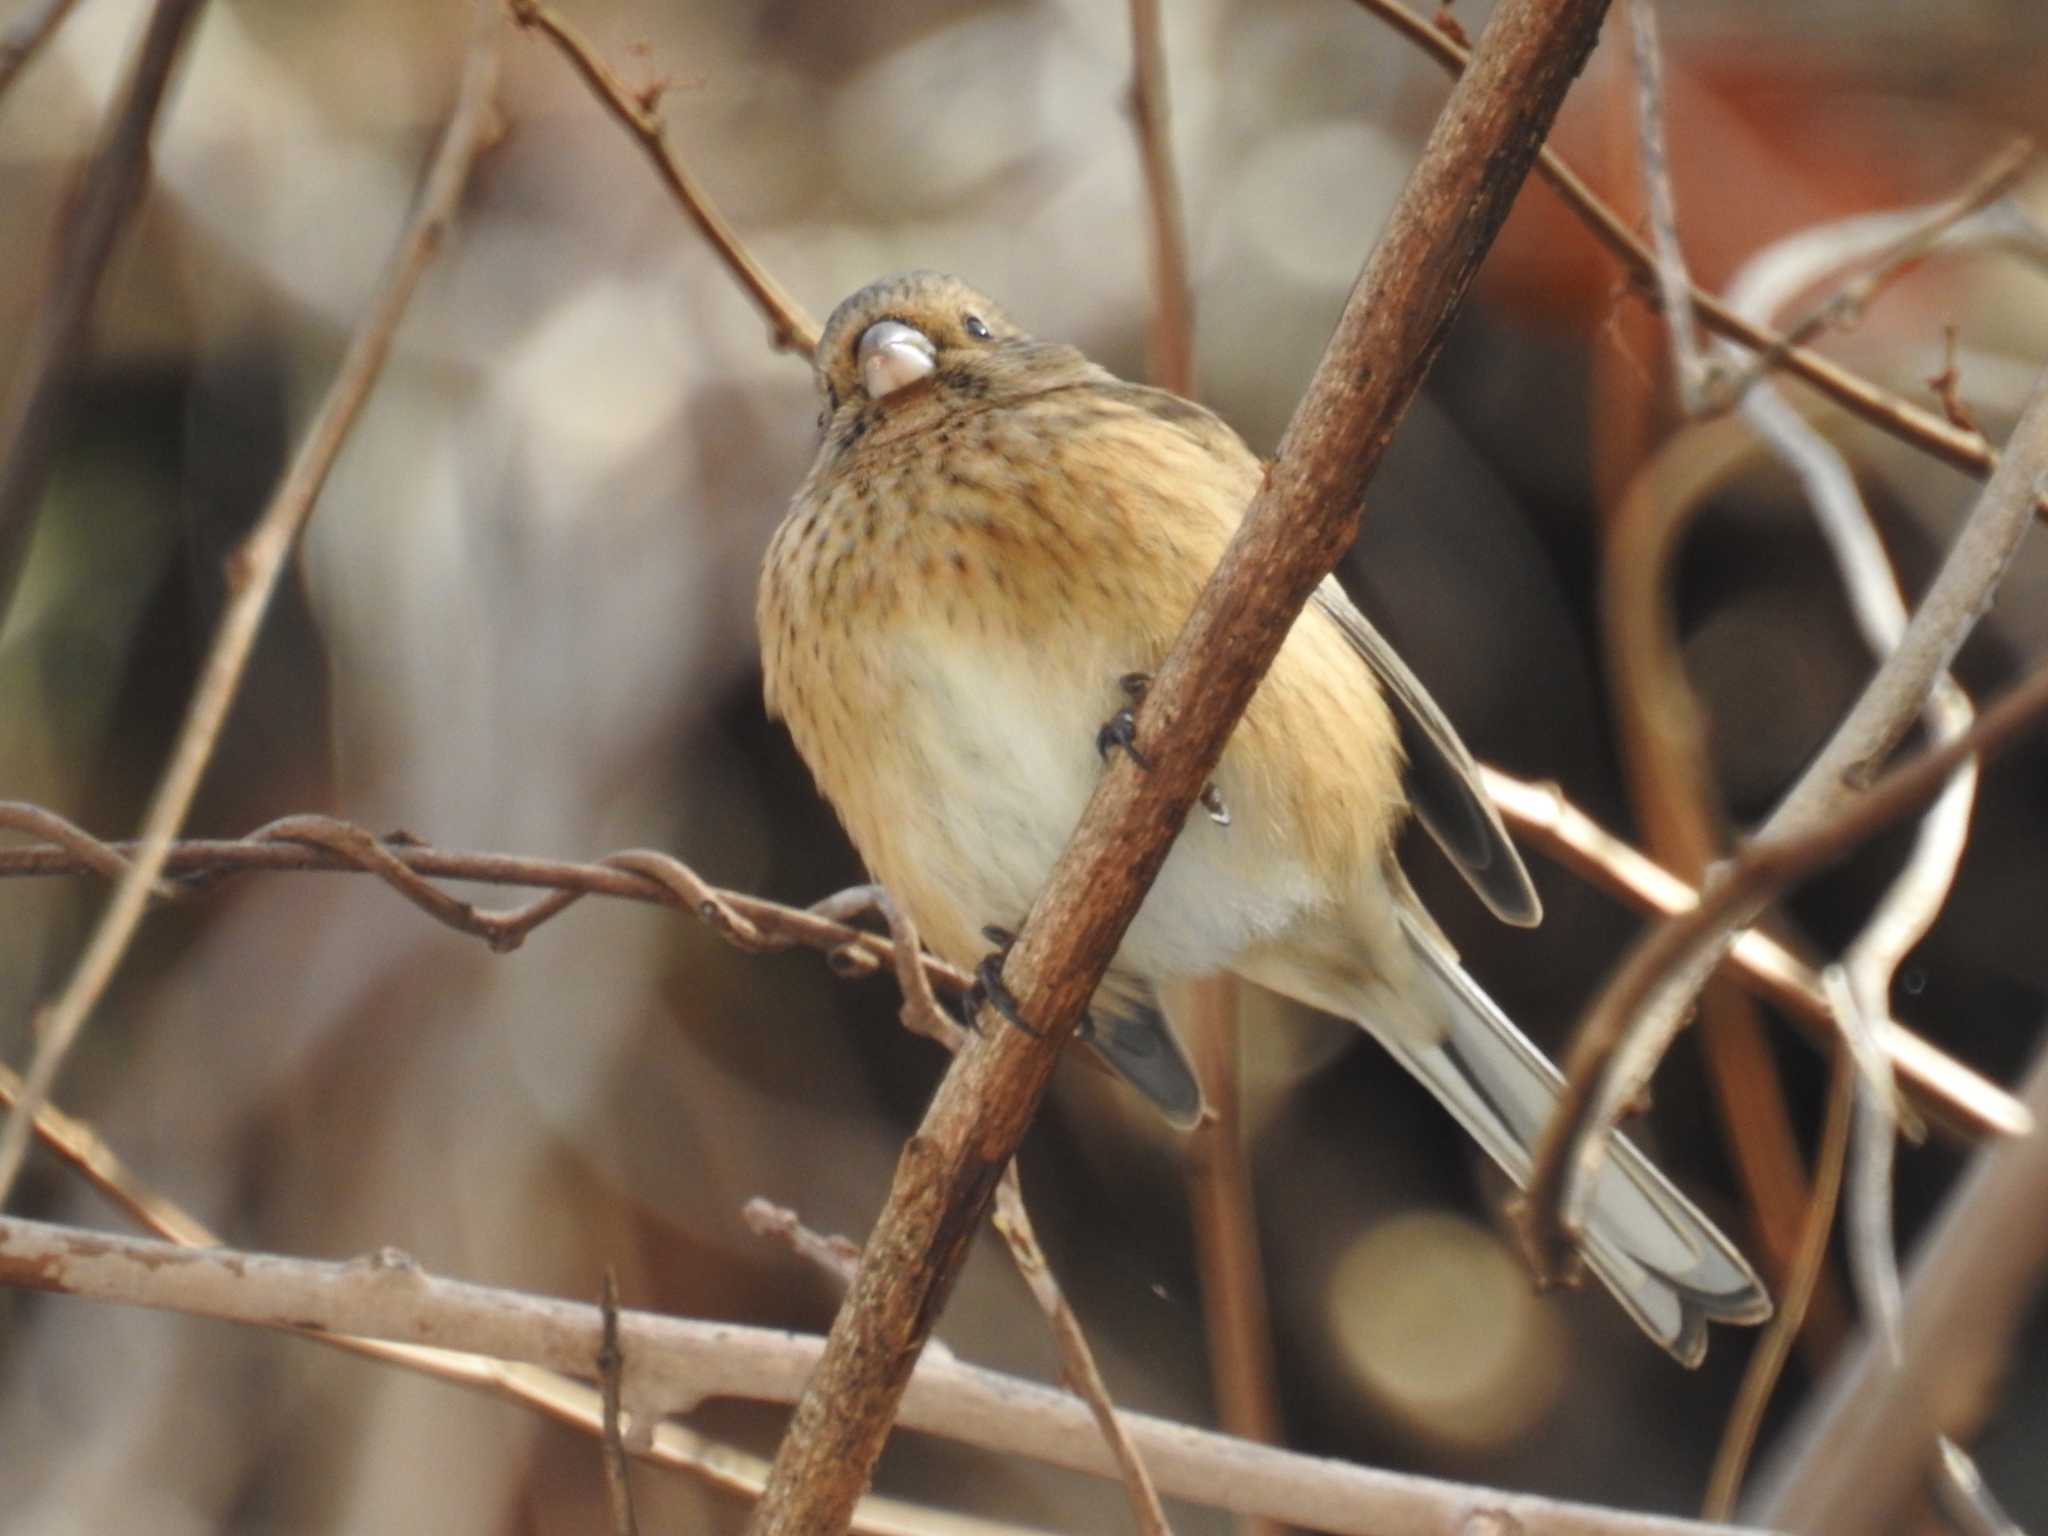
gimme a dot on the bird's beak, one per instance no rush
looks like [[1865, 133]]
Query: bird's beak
[[892, 356]]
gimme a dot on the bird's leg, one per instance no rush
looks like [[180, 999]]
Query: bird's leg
[[1121, 730]]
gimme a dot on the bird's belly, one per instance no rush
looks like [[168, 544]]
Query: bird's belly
[[988, 758]]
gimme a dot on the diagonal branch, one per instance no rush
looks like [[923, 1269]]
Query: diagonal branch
[[1766, 867], [253, 573], [57, 332], [790, 329], [1300, 522], [1963, 449]]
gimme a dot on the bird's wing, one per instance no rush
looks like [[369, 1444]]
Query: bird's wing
[[1443, 781], [1129, 1031]]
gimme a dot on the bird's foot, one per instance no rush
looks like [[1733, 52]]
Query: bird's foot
[[989, 987], [1121, 731]]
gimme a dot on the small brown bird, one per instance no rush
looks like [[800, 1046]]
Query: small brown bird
[[997, 541]]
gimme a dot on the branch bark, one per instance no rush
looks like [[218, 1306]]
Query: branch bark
[[671, 1364], [1300, 522]]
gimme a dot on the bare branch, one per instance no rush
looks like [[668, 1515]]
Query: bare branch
[[19, 43], [1303, 517], [1077, 1360], [677, 1363], [566, 1401], [1674, 287], [1171, 340], [1962, 1099], [1774, 1348], [1943, 1087], [611, 1372], [58, 321], [1965, 450], [790, 329], [1846, 305], [253, 573], [1764, 868], [1864, 1444]]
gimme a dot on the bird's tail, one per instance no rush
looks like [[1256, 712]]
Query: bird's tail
[[1668, 1266]]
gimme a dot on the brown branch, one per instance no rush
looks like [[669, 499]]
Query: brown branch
[[1299, 523], [1171, 339], [1664, 750], [1964, 450], [1674, 286], [1764, 869], [61, 315], [1865, 1442], [790, 329], [1774, 1347], [1846, 304], [1077, 1360], [20, 42], [1215, 1166], [253, 573], [681, 1360], [1951, 1094]]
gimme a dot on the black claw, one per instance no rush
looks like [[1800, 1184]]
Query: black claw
[[988, 983], [1121, 729], [1212, 802]]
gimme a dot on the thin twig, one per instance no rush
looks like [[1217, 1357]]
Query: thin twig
[[1665, 749], [1171, 340], [1762, 870], [1774, 1348], [611, 1372], [1960, 1098], [1077, 1360], [29, 32], [790, 329], [253, 572], [831, 1255], [1846, 305], [1217, 1171], [1965, 450], [1303, 517], [1861, 1449], [1235, 1316], [60, 316], [560, 1397], [1674, 286], [683, 1361]]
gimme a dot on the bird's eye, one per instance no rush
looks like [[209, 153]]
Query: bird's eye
[[975, 328]]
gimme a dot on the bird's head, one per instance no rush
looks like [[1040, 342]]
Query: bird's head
[[925, 343]]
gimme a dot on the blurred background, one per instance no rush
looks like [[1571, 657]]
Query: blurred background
[[522, 621]]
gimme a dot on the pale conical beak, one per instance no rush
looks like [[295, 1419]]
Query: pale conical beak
[[893, 355]]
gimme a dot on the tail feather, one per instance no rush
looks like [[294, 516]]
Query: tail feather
[[1667, 1265]]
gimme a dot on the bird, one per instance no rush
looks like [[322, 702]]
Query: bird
[[994, 547]]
